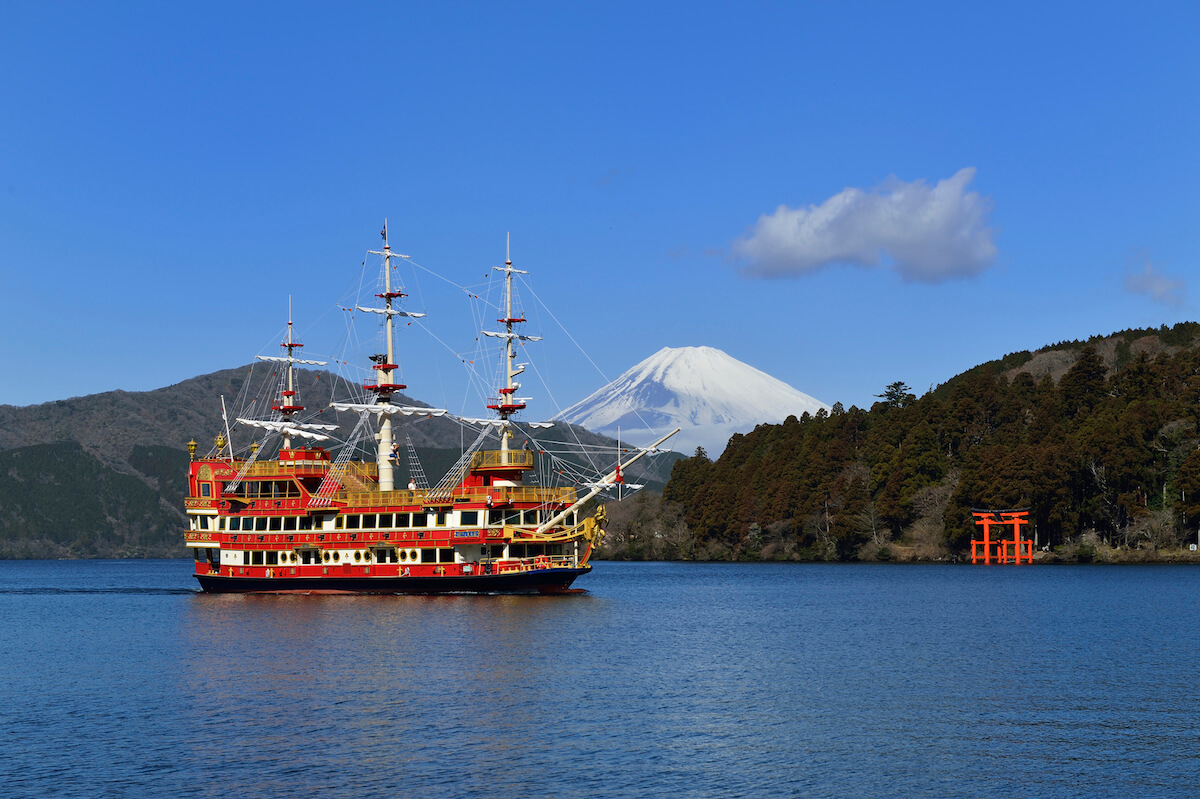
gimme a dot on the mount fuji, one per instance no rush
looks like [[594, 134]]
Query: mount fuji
[[708, 393]]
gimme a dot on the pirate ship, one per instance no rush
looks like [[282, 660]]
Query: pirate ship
[[303, 512]]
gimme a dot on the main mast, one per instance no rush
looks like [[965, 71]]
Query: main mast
[[385, 364]]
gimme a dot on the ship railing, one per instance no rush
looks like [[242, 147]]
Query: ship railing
[[503, 459], [270, 468], [530, 564], [501, 496]]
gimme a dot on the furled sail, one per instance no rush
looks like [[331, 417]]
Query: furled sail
[[291, 428], [385, 409], [289, 359], [391, 312], [495, 334]]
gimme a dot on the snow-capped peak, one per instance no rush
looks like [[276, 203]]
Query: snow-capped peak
[[707, 392]]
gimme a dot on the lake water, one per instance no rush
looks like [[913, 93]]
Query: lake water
[[688, 680]]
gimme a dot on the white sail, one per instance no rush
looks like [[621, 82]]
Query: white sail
[[391, 312], [291, 428], [384, 409], [270, 425], [286, 359], [510, 336], [504, 423]]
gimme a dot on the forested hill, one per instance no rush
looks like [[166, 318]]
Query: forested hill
[[104, 475], [1099, 438]]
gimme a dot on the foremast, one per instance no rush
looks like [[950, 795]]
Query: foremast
[[508, 403]]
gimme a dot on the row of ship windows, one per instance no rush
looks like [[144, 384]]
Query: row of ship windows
[[376, 521], [255, 489], [381, 555]]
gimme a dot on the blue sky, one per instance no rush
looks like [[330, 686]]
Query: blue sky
[[842, 195]]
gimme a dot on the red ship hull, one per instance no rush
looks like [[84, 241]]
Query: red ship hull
[[540, 581]]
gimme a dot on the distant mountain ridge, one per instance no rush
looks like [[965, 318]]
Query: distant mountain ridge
[[707, 392]]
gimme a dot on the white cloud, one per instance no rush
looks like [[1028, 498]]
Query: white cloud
[[927, 234], [1157, 287]]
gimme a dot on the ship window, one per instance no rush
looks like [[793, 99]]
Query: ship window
[[385, 555], [403, 555], [275, 523], [260, 524], [357, 555], [325, 557], [205, 490], [203, 522], [420, 519], [495, 517], [272, 558], [533, 550], [306, 523], [497, 550], [530, 517], [429, 556], [483, 551], [468, 518], [569, 520], [446, 555], [198, 554], [337, 556], [235, 523], [352, 522], [385, 521], [512, 517], [289, 523], [553, 549], [339, 522], [441, 518], [251, 489], [402, 520], [368, 521], [256, 558]]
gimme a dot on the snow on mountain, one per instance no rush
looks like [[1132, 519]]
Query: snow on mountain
[[708, 393]]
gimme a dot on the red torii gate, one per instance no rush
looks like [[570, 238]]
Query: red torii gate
[[1005, 550]]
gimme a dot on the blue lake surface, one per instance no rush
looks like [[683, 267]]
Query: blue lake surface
[[688, 680]]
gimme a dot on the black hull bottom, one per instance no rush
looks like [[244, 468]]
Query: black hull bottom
[[544, 581]]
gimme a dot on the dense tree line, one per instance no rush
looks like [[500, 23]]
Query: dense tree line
[[1109, 450]]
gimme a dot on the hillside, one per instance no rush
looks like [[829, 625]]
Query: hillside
[[1099, 438], [103, 475]]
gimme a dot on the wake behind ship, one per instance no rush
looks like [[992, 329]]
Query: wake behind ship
[[312, 517]]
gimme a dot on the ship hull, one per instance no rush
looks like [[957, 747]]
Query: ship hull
[[541, 581]]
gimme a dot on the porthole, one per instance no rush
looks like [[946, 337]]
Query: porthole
[[358, 555], [325, 557], [412, 555], [403, 555], [337, 556], [367, 555]]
